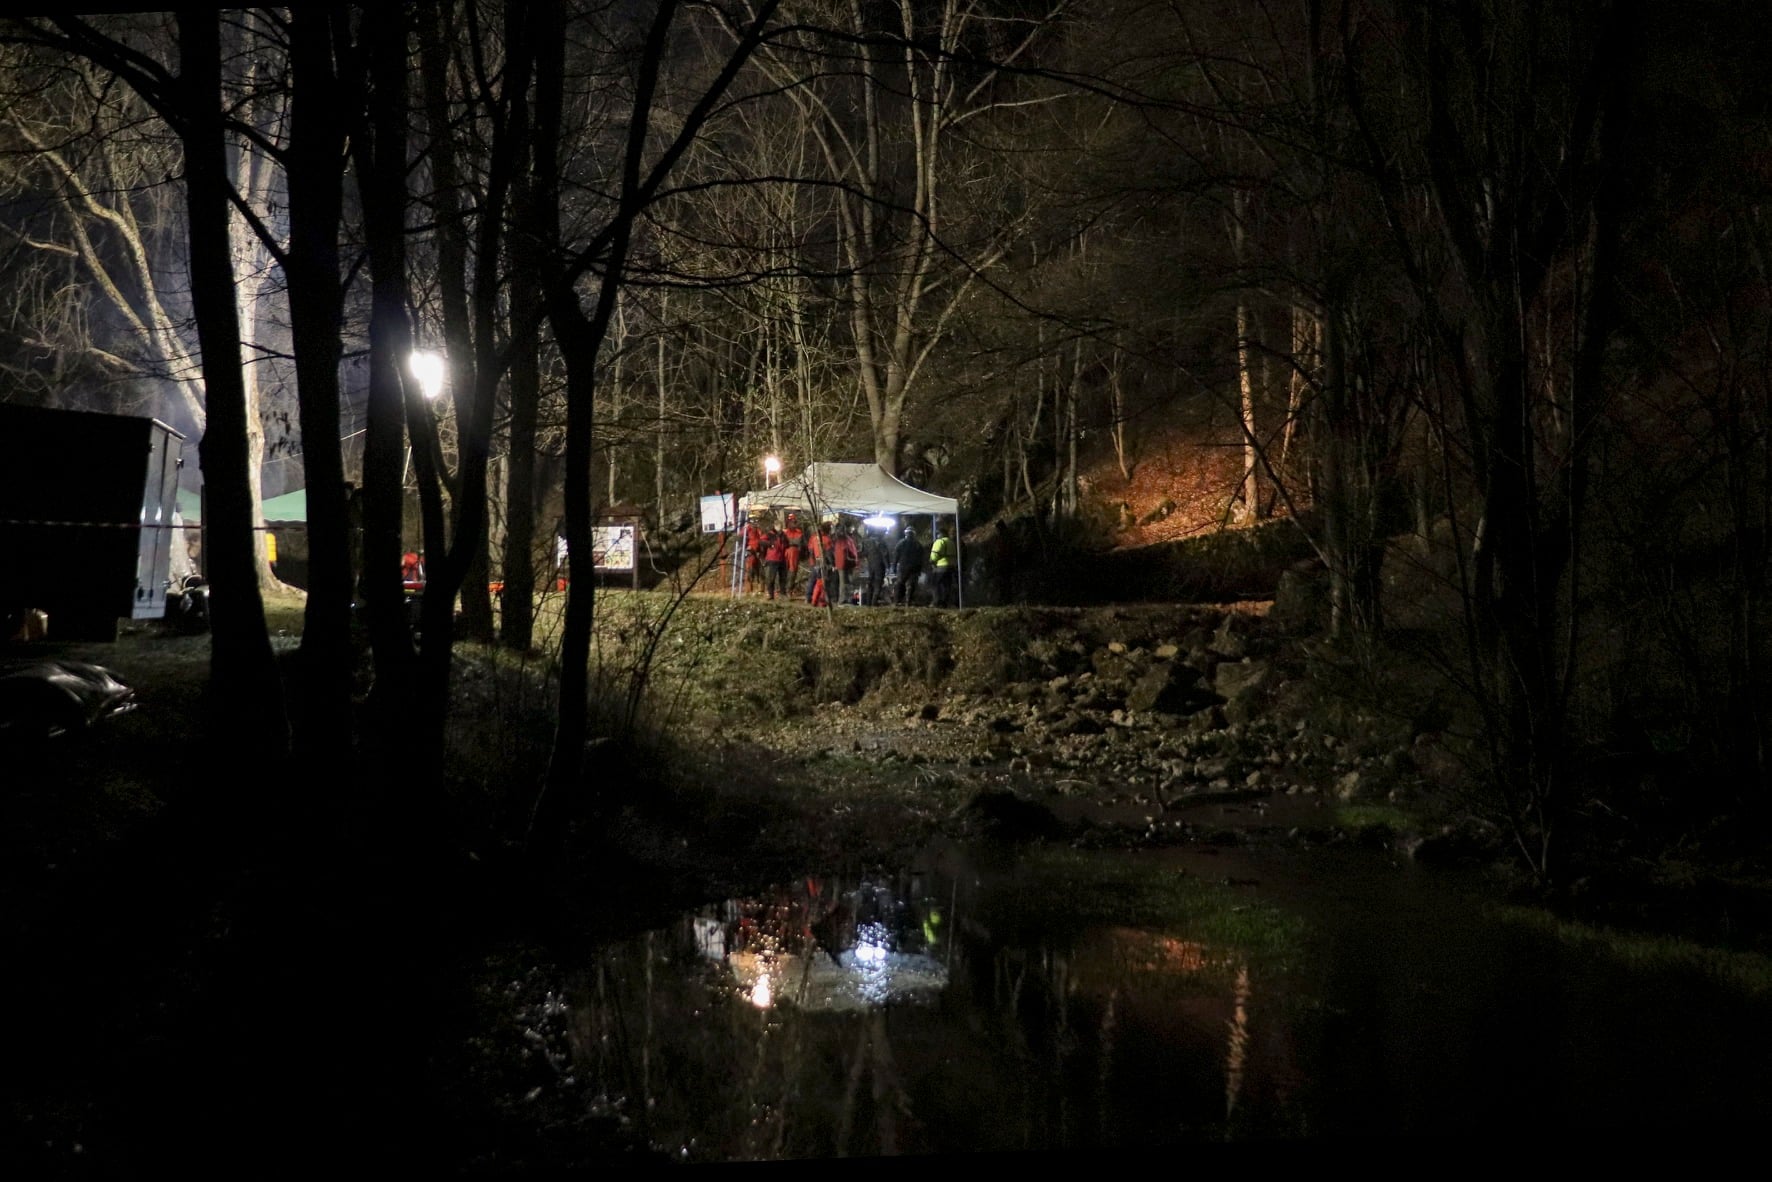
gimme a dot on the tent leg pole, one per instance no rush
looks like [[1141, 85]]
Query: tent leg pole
[[959, 565]]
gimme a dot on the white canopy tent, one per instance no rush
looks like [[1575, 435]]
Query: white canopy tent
[[861, 490]]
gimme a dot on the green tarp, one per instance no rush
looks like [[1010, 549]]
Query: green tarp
[[291, 506]]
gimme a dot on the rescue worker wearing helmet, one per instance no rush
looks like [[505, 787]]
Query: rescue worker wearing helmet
[[909, 557]]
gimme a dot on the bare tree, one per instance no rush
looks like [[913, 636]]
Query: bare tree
[[579, 335], [886, 123]]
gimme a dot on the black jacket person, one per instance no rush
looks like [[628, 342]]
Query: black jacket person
[[873, 556], [909, 556]]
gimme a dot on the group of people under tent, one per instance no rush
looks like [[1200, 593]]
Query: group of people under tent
[[843, 560]]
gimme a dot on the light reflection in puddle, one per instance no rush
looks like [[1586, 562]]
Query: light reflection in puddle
[[863, 978], [882, 1016], [806, 949]]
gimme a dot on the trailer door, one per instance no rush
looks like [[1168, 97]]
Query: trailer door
[[159, 498]]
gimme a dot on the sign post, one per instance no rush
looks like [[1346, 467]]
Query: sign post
[[615, 542]]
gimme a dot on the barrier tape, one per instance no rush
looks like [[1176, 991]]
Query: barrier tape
[[128, 525]]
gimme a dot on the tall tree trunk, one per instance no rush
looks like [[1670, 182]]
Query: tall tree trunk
[[1249, 489], [517, 622], [252, 267], [247, 695], [1071, 433], [1306, 352], [380, 148], [316, 198], [464, 327], [658, 427], [1117, 404], [580, 337]]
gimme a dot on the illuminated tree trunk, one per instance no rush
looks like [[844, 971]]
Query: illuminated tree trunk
[[1249, 489], [247, 695], [1306, 354]]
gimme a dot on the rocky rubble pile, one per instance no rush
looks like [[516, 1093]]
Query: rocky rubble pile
[[1153, 715], [1213, 711], [1213, 716]]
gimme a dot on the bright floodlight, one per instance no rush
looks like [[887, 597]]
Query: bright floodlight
[[879, 521], [427, 368], [771, 465]]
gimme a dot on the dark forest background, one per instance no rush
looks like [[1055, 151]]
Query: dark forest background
[[1470, 297]]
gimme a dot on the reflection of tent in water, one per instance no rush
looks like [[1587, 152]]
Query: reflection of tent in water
[[814, 947], [860, 490], [868, 976]]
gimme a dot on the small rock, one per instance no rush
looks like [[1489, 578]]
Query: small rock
[[1166, 652], [1207, 720], [1348, 786], [1211, 769], [1116, 647]]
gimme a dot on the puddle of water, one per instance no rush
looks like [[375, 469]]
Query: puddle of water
[[1107, 1001]]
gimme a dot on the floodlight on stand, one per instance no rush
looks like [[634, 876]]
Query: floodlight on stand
[[771, 469], [427, 368]]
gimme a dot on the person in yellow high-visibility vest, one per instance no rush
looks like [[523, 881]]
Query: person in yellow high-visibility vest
[[941, 558]]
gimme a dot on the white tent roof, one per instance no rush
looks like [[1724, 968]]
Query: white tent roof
[[860, 489]]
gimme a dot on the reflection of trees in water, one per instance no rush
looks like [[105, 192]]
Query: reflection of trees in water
[[1114, 1037], [1236, 1055], [1124, 1036], [889, 1103]]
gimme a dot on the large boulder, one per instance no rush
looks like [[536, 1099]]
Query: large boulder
[[1301, 601], [1169, 688], [1244, 686], [1004, 816], [1228, 642]]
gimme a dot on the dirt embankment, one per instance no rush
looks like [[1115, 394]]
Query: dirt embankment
[[1153, 722]]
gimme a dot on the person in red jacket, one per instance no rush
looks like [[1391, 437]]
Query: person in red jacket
[[845, 557], [753, 555], [775, 559], [796, 542], [818, 560]]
